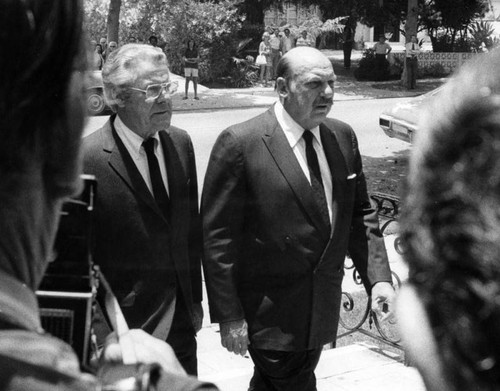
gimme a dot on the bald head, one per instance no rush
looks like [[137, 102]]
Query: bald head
[[296, 60], [305, 80]]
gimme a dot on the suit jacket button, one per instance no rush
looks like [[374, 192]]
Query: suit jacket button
[[288, 239]]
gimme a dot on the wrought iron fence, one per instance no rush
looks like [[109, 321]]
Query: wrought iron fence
[[388, 207]]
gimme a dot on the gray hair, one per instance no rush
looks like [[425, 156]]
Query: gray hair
[[123, 68]]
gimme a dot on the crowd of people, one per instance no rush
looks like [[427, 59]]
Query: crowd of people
[[284, 200], [103, 49], [273, 46]]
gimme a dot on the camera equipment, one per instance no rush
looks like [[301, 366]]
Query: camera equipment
[[68, 290], [68, 294]]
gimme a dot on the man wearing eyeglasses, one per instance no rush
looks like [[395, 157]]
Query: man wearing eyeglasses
[[147, 222]]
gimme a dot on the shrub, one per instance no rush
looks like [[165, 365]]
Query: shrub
[[367, 69], [481, 32], [443, 43], [254, 33], [244, 73], [435, 70]]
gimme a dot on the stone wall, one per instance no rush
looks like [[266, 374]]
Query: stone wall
[[449, 61]]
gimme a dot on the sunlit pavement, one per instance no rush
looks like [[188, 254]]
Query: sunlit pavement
[[357, 367]]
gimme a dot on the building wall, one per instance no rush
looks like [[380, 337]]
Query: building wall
[[290, 14]]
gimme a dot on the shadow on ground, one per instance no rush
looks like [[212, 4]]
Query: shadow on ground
[[387, 174]]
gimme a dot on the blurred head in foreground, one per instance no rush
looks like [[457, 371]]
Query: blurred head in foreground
[[41, 120], [449, 313]]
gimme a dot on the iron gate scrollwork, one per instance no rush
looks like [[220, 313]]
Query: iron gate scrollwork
[[388, 208]]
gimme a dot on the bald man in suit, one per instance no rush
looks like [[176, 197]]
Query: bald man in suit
[[284, 200]]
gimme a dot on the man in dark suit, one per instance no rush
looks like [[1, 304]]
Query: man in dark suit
[[148, 232], [284, 200]]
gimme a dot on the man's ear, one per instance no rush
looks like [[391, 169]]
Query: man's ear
[[282, 87], [118, 98], [418, 339]]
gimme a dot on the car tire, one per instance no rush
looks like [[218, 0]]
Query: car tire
[[95, 102]]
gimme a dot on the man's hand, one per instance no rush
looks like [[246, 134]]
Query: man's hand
[[197, 316], [234, 336], [148, 349], [382, 300]]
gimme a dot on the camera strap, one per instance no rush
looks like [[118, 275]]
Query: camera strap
[[118, 322]]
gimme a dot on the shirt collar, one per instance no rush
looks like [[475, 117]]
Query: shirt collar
[[293, 131], [132, 139]]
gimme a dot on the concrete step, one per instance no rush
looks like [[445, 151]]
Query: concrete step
[[356, 367]]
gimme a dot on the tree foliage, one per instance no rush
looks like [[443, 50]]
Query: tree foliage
[[254, 9], [447, 23], [96, 14], [212, 24]]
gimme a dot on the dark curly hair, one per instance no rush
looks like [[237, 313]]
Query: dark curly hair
[[41, 48], [451, 223]]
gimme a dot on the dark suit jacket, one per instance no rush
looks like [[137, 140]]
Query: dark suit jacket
[[269, 257], [142, 254]]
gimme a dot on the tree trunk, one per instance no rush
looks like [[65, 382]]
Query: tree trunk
[[410, 29], [254, 11], [113, 23]]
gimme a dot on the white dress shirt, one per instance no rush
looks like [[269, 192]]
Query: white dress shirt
[[133, 143], [412, 49], [293, 133]]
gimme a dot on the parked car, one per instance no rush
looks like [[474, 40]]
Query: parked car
[[400, 121], [95, 93]]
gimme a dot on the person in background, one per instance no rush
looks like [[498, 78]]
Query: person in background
[[42, 116], [148, 232], [304, 40], [103, 42], [449, 310], [153, 41], [287, 42], [275, 43], [284, 199], [382, 49], [191, 58], [348, 42], [112, 47], [265, 50], [412, 51], [98, 60]]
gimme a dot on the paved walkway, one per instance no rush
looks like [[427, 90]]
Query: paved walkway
[[346, 88], [357, 367]]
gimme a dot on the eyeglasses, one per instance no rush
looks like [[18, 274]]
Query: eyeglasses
[[153, 91]]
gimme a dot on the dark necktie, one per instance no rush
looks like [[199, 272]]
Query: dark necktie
[[159, 191], [315, 174]]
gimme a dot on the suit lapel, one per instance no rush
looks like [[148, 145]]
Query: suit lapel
[[121, 162], [176, 180], [286, 160]]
